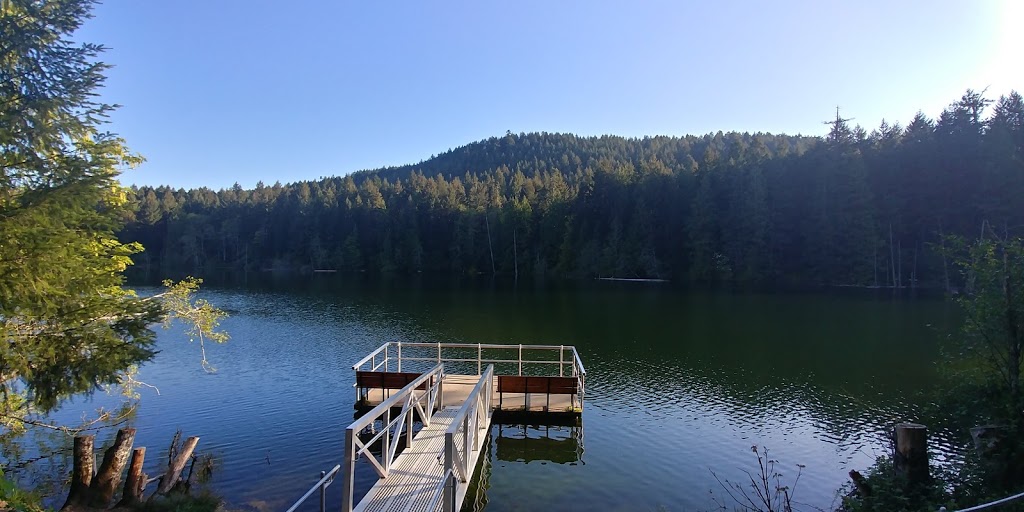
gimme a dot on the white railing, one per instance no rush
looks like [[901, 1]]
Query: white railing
[[422, 402], [462, 439], [326, 478], [394, 354], [987, 506]]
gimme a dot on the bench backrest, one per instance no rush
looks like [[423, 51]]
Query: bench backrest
[[549, 385], [387, 380]]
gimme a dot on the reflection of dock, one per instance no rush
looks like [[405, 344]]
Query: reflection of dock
[[426, 411], [550, 443]]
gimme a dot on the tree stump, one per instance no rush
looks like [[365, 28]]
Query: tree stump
[[114, 461], [911, 452], [84, 462], [135, 483]]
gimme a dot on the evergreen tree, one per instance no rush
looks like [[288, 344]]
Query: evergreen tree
[[67, 324]]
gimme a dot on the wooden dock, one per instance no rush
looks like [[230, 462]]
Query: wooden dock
[[458, 387], [400, 385]]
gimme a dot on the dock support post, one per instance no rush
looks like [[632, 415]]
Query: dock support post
[[349, 473], [911, 455]]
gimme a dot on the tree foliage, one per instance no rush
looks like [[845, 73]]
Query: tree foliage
[[66, 323], [993, 332], [851, 208], [201, 318]]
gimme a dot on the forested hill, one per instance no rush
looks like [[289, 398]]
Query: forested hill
[[849, 208]]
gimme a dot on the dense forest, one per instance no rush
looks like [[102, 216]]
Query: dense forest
[[849, 208]]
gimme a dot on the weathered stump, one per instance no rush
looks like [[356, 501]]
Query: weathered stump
[[84, 462], [93, 490], [114, 461], [176, 466], [911, 452], [135, 482]]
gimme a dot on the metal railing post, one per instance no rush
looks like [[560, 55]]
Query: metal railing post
[[466, 448], [348, 482], [440, 392], [386, 441], [323, 493], [408, 429], [454, 493], [449, 457], [479, 358], [561, 353], [520, 360], [399, 356], [439, 352]]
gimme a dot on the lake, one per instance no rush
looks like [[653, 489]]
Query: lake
[[680, 384]]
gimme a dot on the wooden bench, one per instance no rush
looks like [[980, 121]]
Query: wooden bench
[[388, 380], [547, 385]]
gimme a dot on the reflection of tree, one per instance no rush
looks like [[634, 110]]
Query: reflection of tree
[[845, 419]]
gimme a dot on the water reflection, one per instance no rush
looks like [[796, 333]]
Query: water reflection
[[678, 382], [559, 444]]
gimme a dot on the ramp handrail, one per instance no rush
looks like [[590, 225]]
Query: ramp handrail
[[462, 437], [391, 430], [326, 478]]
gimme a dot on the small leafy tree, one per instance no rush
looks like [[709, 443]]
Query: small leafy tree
[[992, 352], [764, 491], [993, 333]]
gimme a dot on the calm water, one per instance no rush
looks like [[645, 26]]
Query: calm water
[[680, 383]]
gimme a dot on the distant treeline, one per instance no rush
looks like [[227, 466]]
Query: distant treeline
[[852, 208]]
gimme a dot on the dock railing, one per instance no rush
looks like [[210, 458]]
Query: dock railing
[[326, 478], [421, 395], [462, 438], [394, 355]]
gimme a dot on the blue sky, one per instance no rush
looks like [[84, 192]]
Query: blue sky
[[223, 91]]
